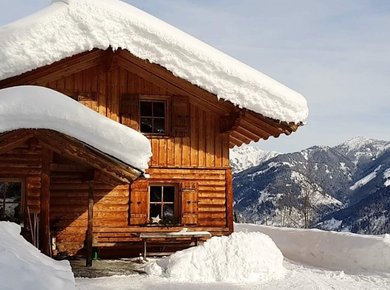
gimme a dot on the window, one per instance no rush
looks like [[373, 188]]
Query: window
[[163, 208], [153, 116], [11, 201]]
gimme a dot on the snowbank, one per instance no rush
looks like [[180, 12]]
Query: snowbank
[[69, 27], [22, 266], [33, 107], [241, 257], [332, 250]]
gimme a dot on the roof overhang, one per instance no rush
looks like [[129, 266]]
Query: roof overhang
[[242, 125], [41, 39], [73, 149]]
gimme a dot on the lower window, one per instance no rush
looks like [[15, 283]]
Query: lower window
[[163, 205], [11, 201]]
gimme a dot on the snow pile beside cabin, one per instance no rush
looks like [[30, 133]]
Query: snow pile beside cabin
[[22, 266], [346, 252], [32, 107], [69, 27], [241, 257]]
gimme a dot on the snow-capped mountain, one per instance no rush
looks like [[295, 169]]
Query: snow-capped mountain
[[246, 156], [318, 186], [361, 150]]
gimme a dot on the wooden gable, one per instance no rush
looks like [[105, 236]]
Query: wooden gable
[[73, 149], [99, 79]]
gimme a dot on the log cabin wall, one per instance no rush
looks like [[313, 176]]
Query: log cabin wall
[[69, 205], [68, 195], [197, 154], [24, 164], [203, 147]]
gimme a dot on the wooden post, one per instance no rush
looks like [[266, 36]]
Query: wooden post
[[44, 232], [144, 251], [89, 242], [229, 199]]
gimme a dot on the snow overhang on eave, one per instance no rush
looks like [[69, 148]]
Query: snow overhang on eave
[[70, 27], [32, 107], [72, 149]]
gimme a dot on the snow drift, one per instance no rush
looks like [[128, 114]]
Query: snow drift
[[33, 107], [241, 257], [22, 266], [69, 27], [347, 252]]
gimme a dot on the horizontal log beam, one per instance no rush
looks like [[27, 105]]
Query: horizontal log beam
[[56, 70], [13, 139], [82, 153]]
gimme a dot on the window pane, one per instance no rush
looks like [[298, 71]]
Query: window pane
[[168, 211], [159, 126], [146, 125], [146, 109], [10, 196], [158, 109], [155, 210], [169, 194], [155, 194]]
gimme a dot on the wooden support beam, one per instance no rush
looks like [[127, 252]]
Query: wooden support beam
[[234, 141], [255, 129], [89, 238], [13, 139], [56, 70], [269, 124], [77, 151], [45, 244], [56, 167], [229, 123], [229, 199], [248, 133], [164, 78], [241, 137]]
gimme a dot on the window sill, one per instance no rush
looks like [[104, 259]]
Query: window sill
[[163, 225], [157, 136]]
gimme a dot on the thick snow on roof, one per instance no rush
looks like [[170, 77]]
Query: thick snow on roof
[[69, 27], [22, 266], [32, 107]]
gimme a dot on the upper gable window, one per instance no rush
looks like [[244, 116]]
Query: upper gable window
[[153, 116]]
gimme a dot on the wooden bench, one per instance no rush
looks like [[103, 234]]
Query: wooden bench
[[195, 236]]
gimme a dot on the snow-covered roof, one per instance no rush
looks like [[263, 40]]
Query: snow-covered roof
[[32, 107], [69, 27]]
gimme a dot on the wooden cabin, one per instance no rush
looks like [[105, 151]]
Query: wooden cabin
[[84, 197]]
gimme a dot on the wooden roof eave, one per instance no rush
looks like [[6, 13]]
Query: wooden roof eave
[[11, 140], [110, 59], [72, 149], [56, 70], [163, 77], [86, 154], [254, 126]]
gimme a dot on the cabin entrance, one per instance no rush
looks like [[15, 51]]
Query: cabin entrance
[[11, 200]]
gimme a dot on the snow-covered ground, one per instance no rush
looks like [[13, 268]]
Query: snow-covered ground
[[297, 277], [364, 258], [22, 266], [246, 260]]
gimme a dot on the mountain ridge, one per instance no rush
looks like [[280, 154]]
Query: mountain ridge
[[316, 185]]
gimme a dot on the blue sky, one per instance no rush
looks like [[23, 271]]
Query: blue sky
[[335, 53]]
